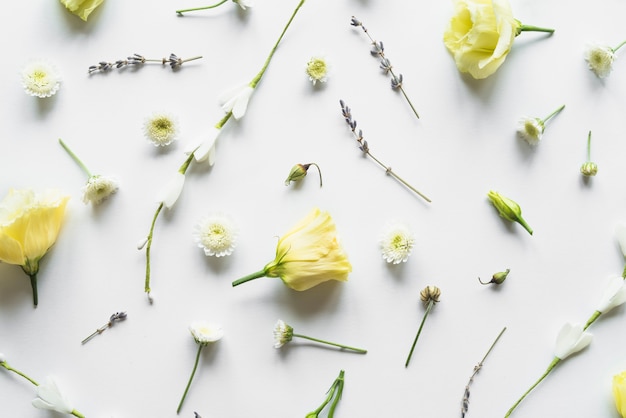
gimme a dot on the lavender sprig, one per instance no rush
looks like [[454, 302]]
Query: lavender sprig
[[136, 59], [363, 146], [378, 50], [117, 316]]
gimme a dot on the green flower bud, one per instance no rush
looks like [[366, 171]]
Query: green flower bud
[[589, 169], [497, 278], [508, 209], [299, 171]]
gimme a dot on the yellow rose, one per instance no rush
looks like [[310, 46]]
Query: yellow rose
[[307, 255], [480, 35], [81, 8], [619, 393], [29, 225]]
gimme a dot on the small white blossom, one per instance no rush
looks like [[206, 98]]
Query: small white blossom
[[283, 333], [236, 100], [98, 188], [204, 333], [161, 129], [317, 69], [206, 150], [571, 339], [530, 129], [600, 58], [172, 190], [396, 243], [620, 232], [216, 235], [614, 294], [244, 4], [40, 79], [50, 397]]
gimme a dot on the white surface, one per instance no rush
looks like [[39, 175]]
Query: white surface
[[463, 146]]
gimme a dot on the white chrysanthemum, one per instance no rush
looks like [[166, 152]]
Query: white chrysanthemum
[[236, 100], [531, 129], [40, 79], [98, 188], [317, 69], [205, 333], [600, 59], [396, 243], [161, 129], [244, 4], [216, 235], [283, 333], [50, 397]]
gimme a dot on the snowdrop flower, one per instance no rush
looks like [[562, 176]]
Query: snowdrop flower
[[236, 100], [396, 243], [50, 397], [531, 129], [171, 191], [283, 333], [40, 79], [216, 235], [600, 58], [620, 233], [571, 339], [614, 294], [203, 333], [317, 69], [98, 187], [161, 129], [206, 150]]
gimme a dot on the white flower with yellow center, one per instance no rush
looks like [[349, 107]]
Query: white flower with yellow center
[[161, 129], [396, 243], [98, 188], [40, 79], [600, 58], [317, 69], [531, 129], [283, 333], [204, 332], [216, 235]]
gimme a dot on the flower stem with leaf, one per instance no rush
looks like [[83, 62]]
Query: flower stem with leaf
[[334, 395]]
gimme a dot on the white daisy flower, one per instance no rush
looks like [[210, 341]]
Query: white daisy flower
[[283, 333], [531, 129], [244, 4], [600, 59], [216, 235], [40, 79], [317, 69], [161, 129], [50, 397], [236, 100], [205, 333], [396, 243], [98, 188]]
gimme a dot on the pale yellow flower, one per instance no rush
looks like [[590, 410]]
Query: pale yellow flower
[[81, 8], [307, 255], [40, 79], [29, 225], [619, 393]]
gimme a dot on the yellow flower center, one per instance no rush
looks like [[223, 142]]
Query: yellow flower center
[[317, 69]]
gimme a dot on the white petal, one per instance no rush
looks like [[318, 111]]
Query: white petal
[[3, 359], [614, 294], [229, 97], [207, 147], [142, 243], [169, 194], [241, 105], [571, 339], [50, 397], [620, 233]]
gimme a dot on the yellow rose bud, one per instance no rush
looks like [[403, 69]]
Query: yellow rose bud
[[619, 393], [508, 209], [29, 225], [307, 255], [81, 8]]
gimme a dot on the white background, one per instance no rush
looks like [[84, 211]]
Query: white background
[[463, 146]]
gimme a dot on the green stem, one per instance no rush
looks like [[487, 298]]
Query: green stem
[[592, 319], [409, 101], [552, 365], [619, 46], [338, 386], [545, 120], [180, 12], [624, 273], [358, 350], [319, 171], [11, 369], [193, 372], [258, 77], [77, 414], [258, 274], [222, 122], [531, 28], [75, 158], [527, 227], [33, 284], [589, 146], [431, 303], [148, 247]]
